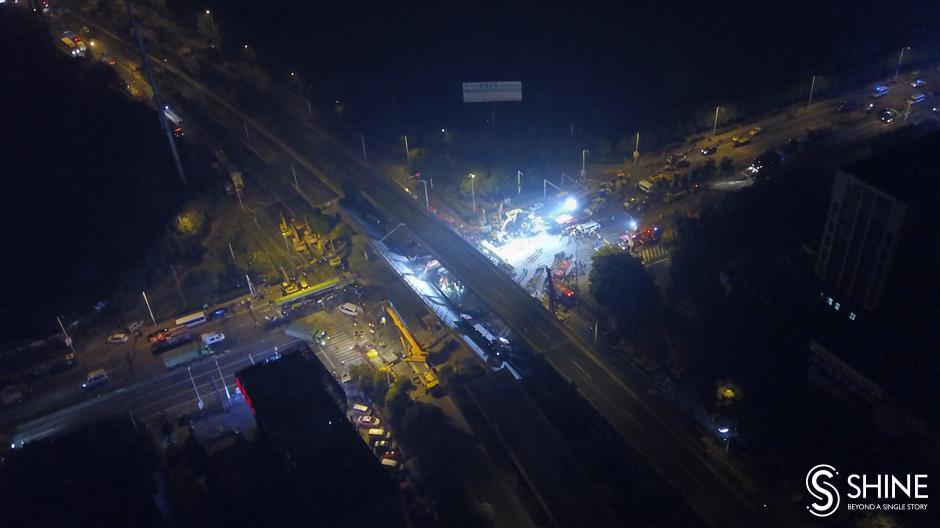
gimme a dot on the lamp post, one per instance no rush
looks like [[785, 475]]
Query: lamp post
[[427, 203], [518, 182], [147, 302], [401, 224], [215, 32], [473, 196], [199, 402], [362, 139], [68, 340], [715, 128], [407, 152], [812, 86], [583, 156], [900, 57]]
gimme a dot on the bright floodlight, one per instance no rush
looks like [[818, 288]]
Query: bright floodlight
[[633, 225], [723, 430], [570, 204]]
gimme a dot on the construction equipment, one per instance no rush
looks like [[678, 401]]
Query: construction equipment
[[413, 352]]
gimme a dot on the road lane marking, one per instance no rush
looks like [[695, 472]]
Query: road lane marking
[[582, 369]]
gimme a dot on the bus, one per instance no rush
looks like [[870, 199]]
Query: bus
[[192, 320], [176, 122]]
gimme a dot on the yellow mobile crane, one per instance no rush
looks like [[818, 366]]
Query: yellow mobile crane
[[413, 353]]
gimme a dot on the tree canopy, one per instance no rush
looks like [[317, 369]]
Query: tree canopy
[[620, 283]]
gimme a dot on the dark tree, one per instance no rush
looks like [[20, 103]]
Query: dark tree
[[621, 284]]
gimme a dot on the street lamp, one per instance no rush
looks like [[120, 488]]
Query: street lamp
[[473, 196], [215, 32], [900, 57], [400, 224], [427, 203], [407, 152], [715, 128], [583, 155], [812, 86]]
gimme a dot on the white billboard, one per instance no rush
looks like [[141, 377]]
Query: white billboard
[[492, 92]]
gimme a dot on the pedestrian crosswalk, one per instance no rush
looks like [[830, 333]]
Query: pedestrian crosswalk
[[652, 254], [342, 347]]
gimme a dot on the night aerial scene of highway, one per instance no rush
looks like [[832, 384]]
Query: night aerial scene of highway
[[470, 264]]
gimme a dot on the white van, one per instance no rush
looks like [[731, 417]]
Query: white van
[[916, 98], [645, 186], [588, 228], [213, 338]]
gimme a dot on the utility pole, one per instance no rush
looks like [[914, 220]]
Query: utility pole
[[251, 289], [247, 136], [583, 156], [232, 251], [518, 182], [147, 302], [157, 99], [294, 172], [407, 152]]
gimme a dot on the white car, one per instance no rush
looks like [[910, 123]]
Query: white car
[[368, 421], [213, 338], [917, 83], [117, 338], [350, 309]]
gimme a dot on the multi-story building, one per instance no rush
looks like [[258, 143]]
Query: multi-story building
[[879, 232]]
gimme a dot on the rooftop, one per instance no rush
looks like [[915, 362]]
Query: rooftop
[[907, 172]]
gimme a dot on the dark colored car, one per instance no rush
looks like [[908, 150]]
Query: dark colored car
[[709, 150], [219, 313]]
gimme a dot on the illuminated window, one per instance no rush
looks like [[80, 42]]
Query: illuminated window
[[829, 301], [836, 306], [851, 316]]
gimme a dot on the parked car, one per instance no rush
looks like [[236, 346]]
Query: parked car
[[95, 378], [219, 313], [361, 409], [917, 83], [350, 309], [709, 150], [368, 421], [213, 338], [117, 338], [755, 131], [13, 395]]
